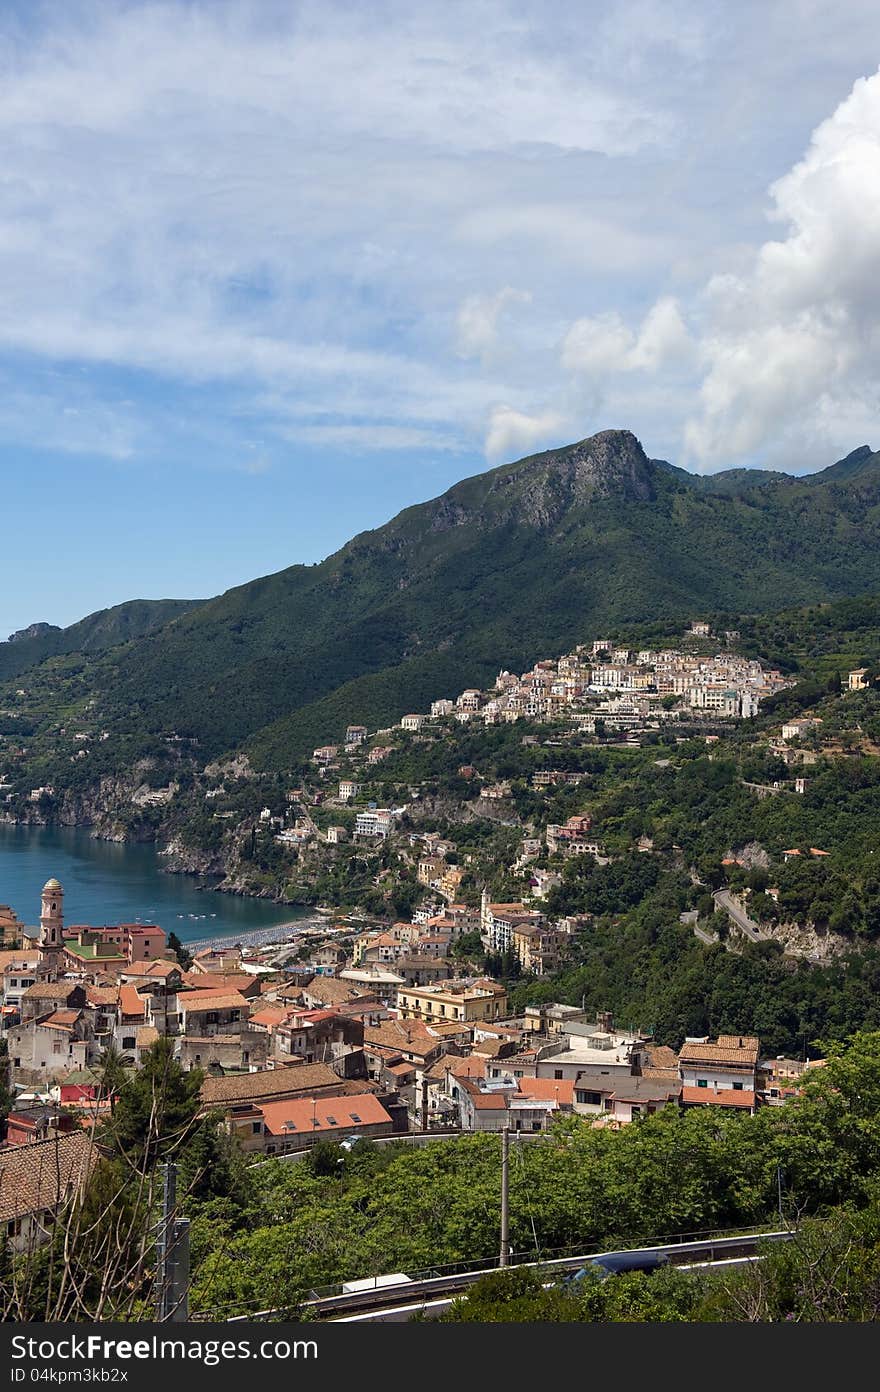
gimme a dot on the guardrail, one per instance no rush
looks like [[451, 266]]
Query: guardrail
[[423, 1288]]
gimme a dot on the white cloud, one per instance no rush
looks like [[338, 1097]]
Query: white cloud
[[513, 432], [477, 321], [790, 347], [603, 345], [305, 204]]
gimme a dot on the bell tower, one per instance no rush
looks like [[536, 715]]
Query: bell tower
[[51, 939]]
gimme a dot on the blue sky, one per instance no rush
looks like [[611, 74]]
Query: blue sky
[[271, 272]]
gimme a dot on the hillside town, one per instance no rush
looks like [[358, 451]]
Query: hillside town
[[601, 685], [371, 1035], [599, 688]]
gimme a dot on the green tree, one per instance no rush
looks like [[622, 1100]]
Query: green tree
[[176, 946], [156, 1114]]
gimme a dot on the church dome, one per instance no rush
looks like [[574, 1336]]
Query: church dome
[[52, 885]]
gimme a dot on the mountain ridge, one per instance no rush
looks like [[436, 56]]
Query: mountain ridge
[[496, 571]]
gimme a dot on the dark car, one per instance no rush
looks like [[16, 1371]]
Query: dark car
[[613, 1263]]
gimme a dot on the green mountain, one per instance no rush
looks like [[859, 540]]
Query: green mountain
[[95, 634], [503, 568]]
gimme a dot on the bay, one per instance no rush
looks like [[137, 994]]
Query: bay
[[109, 882]]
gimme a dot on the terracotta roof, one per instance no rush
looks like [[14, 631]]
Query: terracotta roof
[[402, 1070], [410, 1035], [242, 982], [329, 990], [270, 1016], [492, 1048], [470, 1067], [102, 995], [36, 1176], [130, 1002], [724, 1097], [731, 1048], [484, 1101], [146, 1035], [299, 1078], [314, 1017], [19, 957], [50, 990], [548, 1090], [662, 1075], [210, 1000], [332, 1114], [286, 990], [660, 1056], [60, 1019], [160, 966]]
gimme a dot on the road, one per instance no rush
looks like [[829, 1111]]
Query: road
[[691, 920], [747, 926]]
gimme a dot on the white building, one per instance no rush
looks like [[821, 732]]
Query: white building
[[375, 821]]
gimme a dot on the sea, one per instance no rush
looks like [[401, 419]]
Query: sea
[[111, 882]]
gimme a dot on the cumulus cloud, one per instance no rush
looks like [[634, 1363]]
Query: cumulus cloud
[[790, 346], [477, 321], [604, 344], [197, 192], [513, 433]]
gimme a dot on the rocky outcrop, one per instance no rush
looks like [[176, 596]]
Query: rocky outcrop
[[806, 940], [181, 859], [34, 630]]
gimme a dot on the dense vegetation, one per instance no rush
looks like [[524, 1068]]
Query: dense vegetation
[[264, 1236]]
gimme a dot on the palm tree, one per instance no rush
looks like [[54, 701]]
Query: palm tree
[[112, 1066]]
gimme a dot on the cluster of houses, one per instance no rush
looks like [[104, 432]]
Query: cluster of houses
[[621, 686], [618, 684], [375, 1036]]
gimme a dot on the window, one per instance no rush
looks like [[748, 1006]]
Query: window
[[354, 1116], [129, 1041], [737, 1087], [557, 1073], [589, 1099], [702, 1082], [255, 1127]]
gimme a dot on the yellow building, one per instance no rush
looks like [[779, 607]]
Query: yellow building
[[463, 1001]]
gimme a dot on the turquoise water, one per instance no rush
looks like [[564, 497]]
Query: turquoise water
[[105, 882]]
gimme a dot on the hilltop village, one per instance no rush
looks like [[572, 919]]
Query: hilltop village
[[599, 695]]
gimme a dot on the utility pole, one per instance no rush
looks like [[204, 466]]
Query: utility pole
[[172, 1255], [504, 1254], [424, 1104], [779, 1191]]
